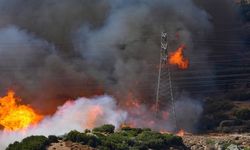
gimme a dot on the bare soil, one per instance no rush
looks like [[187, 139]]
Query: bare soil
[[68, 145], [217, 141]]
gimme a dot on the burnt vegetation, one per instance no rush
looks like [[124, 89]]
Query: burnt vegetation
[[105, 138]]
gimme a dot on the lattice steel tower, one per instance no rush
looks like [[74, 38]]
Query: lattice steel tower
[[164, 93]]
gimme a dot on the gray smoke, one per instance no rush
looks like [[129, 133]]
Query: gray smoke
[[188, 112], [126, 49], [36, 71], [52, 51]]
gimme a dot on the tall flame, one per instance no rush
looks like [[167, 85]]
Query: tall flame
[[177, 58], [14, 116]]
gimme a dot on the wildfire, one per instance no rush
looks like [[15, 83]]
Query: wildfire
[[126, 124], [181, 133], [163, 131], [132, 102], [94, 114], [177, 58], [14, 116]]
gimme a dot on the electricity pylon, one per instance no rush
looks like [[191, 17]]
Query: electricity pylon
[[164, 93]]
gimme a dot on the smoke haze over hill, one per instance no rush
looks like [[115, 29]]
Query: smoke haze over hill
[[52, 51]]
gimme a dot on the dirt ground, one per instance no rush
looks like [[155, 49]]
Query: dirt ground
[[217, 141], [61, 145], [193, 142]]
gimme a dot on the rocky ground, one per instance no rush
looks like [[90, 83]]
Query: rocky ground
[[61, 145], [218, 142], [193, 142]]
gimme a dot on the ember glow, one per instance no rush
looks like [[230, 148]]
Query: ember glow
[[14, 116], [181, 133], [177, 58]]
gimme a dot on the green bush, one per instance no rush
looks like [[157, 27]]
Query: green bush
[[76, 136], [115, 141], [107, 128], [131, 132], [171, 139], [52, 139], [125, 139], [153, 140], [87, 131], [30, 143], [243, 114], [83, 138]]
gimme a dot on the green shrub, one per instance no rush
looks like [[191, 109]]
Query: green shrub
[[52, 139], [87, 131], [30, 143], [171, 139], [83, 138], [107, 128], [125, 139], [116, 141], [131, 132], [93, 140], [153, 140], [76, 136], [156, 140]]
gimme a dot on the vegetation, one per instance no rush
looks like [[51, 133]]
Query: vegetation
[[246, 148], [214, 112], [83, 138], [243, 114], [30, 143], [107, 128], [104, 138]]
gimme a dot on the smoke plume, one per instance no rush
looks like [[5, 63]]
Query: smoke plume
[[52, 51], [113, 43], [78, 115]]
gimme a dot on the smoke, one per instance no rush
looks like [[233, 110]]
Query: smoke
[[53, 20], [188, 112], [115, 43], [125, 49], [78, 115], [53, 51], [35, 70], [124, 52]]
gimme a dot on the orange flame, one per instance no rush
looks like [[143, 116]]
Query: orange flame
[[132, 102], [181, 133], [163, 131], [177, 58], [126, 124], [13, 116]]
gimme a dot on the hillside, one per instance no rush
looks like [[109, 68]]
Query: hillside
[[103, 138]]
